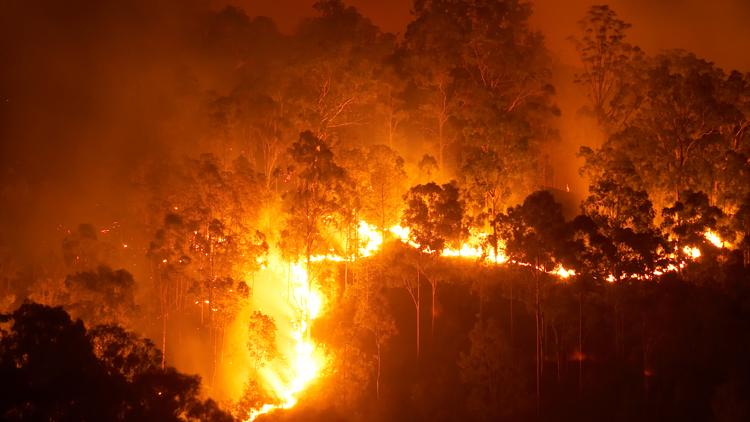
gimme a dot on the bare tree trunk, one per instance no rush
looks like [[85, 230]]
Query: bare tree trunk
[[580, 342], [377, 380], [433, 285], [221, 346], [538, 345], [557, 353], [164, 340], [418, 306], [646, 371], [382, 211], [481, 301], [511, 313], [348, 254], [163, 304]]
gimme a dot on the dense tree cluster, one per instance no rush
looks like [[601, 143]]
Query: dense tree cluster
[[675, 122], [54, 369]]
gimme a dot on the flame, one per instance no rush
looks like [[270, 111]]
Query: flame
[[562, 272], [692, 252], [370, 239], [474, 248], [715, 239], [404, 235], [303, 360]]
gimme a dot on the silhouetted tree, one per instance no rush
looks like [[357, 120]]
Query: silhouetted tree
[[53, 370], [611, 77], [434, 215], [103, 296]]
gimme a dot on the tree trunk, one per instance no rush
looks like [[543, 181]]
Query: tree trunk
[[163, 303], [164, 340], [538, 344], [557, 353], [418, 306], [377, 380], [511, 314], [580, 342], [433, 285]]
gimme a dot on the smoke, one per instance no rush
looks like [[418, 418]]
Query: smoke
[[715, 30], [89, 92]]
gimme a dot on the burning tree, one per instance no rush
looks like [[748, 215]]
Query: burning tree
[[316, 201]]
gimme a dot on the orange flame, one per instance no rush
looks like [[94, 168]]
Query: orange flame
[[304, 359]]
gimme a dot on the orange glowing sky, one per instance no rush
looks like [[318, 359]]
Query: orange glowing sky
[[717, 30]]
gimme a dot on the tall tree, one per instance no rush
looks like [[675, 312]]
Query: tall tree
[[674, 140], [374, 317], [317, 202], [340, 53], [535, 233], [430, 54], [387, 185], [485, 184], [434, 215], [611, 67]]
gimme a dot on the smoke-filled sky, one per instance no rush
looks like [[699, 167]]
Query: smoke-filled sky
[[717, 30]]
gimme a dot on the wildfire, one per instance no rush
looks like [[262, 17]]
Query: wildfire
[[715, 239], [692, 252], [404, 235], [475, 248], [370, 239], [562, 272], [303, 359]]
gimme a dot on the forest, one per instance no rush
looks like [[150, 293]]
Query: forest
[[208, 218]]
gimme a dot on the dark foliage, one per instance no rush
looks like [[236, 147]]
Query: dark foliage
[[51, 368]]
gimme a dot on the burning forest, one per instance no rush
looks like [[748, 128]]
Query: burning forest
[[370, 212]]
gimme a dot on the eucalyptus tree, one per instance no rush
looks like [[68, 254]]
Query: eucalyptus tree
[[535, 234], [434, 215], [612, 68]]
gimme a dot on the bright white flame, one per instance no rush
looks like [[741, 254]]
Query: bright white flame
[[404, 235], [561, 272], [370, 239], [715, 239], [692, 252], [303, 360]]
